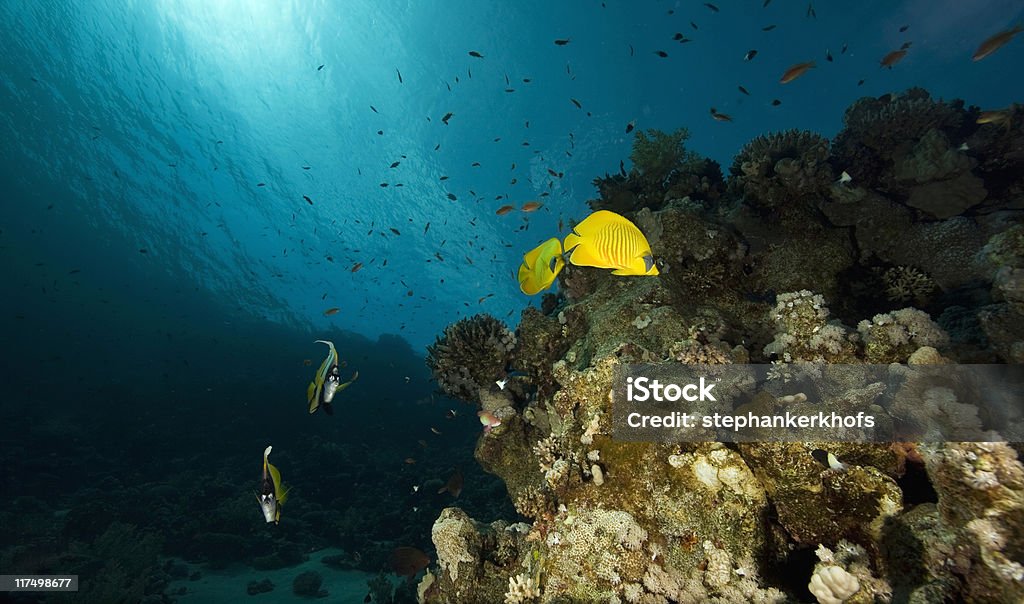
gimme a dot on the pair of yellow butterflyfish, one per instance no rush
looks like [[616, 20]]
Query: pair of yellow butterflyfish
[[603, 240]]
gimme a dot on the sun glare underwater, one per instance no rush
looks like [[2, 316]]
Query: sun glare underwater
[[323, 299]]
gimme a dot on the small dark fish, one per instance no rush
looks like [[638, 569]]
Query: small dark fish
[[510, 90], [380, 133], [768, 27], [383, 185], [447, 117], [474, 53], [630, 50], [562, 41], [319, 68], [374, 109], [143, 251], [426, 228], [776, 102], [261, 184], [395, 231], [905, 45], [577, 103], [842, 51], [437, 146], [399, 75], [308, 200], [306, 167], [828, 55], [693, 25], [452, 197], [744, 90], [630, 126], [678, 36], [661, 53], [810, 11], [475, 164], [766, 3], [394, 164], [713, 8], [859, 82], [904, 28], [443, 178], [750, 55]]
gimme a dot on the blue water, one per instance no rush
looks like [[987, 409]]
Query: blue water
[[157, 300]]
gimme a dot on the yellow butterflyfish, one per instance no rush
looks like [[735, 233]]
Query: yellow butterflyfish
[[540, 267], [607, 240]]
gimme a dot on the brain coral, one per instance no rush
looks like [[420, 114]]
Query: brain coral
[[781, 168]]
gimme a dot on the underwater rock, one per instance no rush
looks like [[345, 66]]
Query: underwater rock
[[470, 355], [476, 561], [819, 505], [948, 198], [785, 168], [981, 506], [947, 251], [307, 584], [260, 587]]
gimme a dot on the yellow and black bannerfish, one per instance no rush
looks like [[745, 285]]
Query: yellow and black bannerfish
[[540, 267], [327, 382], [272, 493], [606, 240]]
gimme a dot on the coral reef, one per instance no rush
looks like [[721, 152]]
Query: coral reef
[[915, 262], [786, 168]]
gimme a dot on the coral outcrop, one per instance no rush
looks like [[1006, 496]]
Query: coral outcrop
[[785, 168], [915, 262], [470, 355]]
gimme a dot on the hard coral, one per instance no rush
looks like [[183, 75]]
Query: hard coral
[[657, 154], [782, 168], [878, 131], [470, 355]]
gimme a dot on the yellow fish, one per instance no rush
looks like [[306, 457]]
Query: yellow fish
[[272, 493], [540, 267], [606, 240], [327, 382]]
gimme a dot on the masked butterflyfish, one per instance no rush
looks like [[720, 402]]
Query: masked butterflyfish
[[327, 382], [540, 267], [272, 493], [606, 240]]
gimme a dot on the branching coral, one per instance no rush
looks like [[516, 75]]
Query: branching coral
[[907, 284], [470, 355], [785, 168]]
